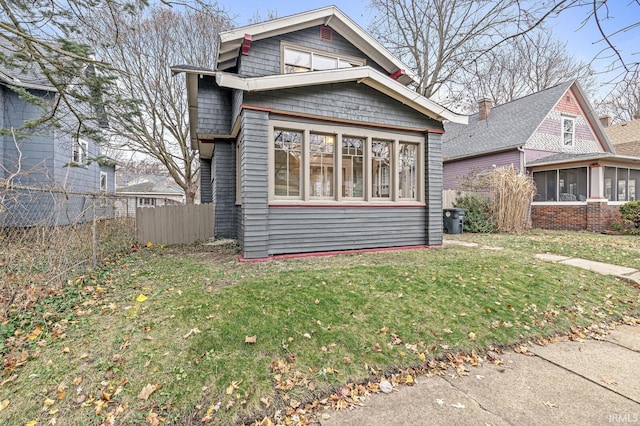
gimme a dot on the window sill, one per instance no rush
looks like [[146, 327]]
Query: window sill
[[346, 204]]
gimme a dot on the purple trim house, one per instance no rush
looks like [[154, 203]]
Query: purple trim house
[[554, 135]]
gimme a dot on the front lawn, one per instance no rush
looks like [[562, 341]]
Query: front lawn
[[189, 335]]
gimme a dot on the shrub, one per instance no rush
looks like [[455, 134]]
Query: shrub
[[478, 217], [630, 213]]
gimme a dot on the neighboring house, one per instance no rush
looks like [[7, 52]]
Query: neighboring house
[[625, 137], [555, 135], [52, 174], [310, 140], [146, 191]]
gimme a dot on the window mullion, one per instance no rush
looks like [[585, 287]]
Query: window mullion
[[306, 169], [367, 170], [394, 172], [337, 175]]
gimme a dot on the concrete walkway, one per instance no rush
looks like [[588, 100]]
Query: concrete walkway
[[570, 383]]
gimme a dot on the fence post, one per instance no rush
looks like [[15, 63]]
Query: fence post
[[94, 236]]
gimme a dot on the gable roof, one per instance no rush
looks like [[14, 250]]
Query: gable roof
[[231, 41], [149, 185], [365, 75], [510, 125], [21, 73], [625, 137]]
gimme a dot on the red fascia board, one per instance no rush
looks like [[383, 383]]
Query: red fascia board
[[397, 74], [246, 44]]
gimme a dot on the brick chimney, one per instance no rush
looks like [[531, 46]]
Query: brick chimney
[[605, 120], [484, 108]]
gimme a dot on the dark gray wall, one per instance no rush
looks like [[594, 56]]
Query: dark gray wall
[[206, 195], [253, 180], [348, 101], [433, 189], [214, 107], [264, 55], [309, 229], [224, 189]]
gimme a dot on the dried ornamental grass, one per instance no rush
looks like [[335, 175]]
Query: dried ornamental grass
[[512, 194]]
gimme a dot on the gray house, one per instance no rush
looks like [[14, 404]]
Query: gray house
[[555, 136], [49, 174], [311, 141]]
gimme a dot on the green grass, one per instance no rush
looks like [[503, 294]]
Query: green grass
[[318, 323], [623, 250]]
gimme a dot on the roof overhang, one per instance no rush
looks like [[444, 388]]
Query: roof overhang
[[584, 159], [231, 42], [14, 81], [596, 125], [365, 75]]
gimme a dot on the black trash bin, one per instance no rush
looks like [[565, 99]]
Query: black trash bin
[[453, 220]]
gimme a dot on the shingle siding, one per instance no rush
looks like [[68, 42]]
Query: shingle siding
[[265, 59], [346, 101], [224, 190], [214, 107]]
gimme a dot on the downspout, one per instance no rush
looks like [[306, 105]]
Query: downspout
[[523, 163]]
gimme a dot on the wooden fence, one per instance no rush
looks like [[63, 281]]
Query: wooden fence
[[184, 224]]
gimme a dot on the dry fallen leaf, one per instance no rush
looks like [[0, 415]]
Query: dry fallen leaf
[[48, 402], [265, 401], [472, 335], [147, 391], [4, 404], [35, 333], [141, 298], [153, 419], [250, 339]]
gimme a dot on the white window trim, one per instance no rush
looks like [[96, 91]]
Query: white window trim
[[346, 58], [106, 181], [80, 146], [339, 131], [573, 131]]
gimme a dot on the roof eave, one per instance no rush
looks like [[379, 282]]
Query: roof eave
[[366, 75]]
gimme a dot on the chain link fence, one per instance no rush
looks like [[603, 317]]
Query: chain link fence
[[49, 236]]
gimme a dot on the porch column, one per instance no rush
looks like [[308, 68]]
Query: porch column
[[597, 181]]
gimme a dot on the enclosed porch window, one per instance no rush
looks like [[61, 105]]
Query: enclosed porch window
[[562, 185]]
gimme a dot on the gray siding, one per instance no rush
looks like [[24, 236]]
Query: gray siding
[[433, 189], [308, 229], [264, 55], [206, 195], [347, 101], [253, 178], [224, 189], [44, 156], [456, 171], [214, 107]]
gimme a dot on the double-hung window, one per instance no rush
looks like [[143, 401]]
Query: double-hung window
[[568, 131], [317, 162], [80, 151]]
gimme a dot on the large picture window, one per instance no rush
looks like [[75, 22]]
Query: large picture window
[[561, 185], [318, 162]]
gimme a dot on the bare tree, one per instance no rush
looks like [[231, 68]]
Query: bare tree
[[623, 103], [437, 38], [155, 121], [518, 67], [39, 41]]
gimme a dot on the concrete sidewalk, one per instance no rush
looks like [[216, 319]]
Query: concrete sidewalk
[[569, 383]]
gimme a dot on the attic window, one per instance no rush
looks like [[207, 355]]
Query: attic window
[[300, 59], [326, 33]]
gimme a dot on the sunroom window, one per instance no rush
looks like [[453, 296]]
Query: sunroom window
[[299, 59], [317, 162], [288, 153], [561, 185], [621, 184]]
